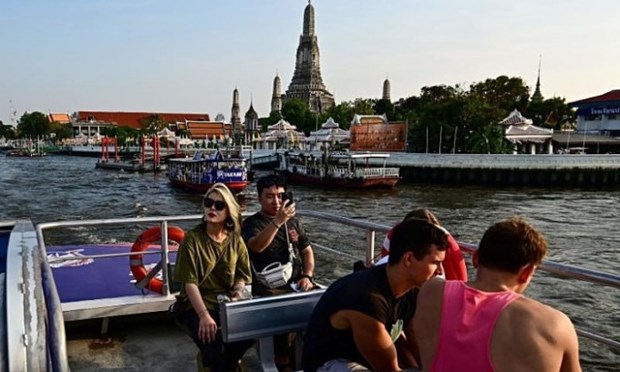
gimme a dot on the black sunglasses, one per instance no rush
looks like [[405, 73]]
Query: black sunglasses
[[219, 204]]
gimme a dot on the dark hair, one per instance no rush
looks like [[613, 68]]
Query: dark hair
[[511, 244], [416, 235], [423, 214], [269, 181]]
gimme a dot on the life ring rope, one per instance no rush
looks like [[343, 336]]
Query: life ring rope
[[143, 241]]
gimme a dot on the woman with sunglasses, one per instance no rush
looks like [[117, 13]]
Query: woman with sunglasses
[[213, 261]]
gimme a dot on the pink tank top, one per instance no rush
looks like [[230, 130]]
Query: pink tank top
[[468, 318]]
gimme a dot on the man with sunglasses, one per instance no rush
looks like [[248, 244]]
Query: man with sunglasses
[[364, 321], [273, 235]]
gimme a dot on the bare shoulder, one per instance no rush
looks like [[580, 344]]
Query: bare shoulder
[[431, 289], [528, 328], [545, 325]]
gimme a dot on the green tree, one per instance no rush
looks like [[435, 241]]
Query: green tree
[[297, 112], [61, 131], [33, 125], [153, 124], [504, 93], [7, 131], [438, 111], [342, 114], [382, 106], [363, 106], [550, 113], [273, 118]]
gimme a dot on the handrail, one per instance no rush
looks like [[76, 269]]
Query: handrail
[[371, 229], [569, 271], [57, 344]]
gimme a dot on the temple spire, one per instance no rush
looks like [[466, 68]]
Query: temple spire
[[307, 83], [386, 90], [308, 29], [537, 94]]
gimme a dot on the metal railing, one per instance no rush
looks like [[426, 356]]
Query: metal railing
[[163, 224], [568, 271], [56, 320]]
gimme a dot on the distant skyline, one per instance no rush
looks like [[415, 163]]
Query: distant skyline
[[188, 56]]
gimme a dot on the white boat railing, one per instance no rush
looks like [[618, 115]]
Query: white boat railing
[[55, 315], [376, 172], [567, 271]]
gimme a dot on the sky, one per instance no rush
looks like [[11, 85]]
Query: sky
[[189, 55]]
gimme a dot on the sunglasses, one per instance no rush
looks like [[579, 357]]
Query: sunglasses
[[219, 204]]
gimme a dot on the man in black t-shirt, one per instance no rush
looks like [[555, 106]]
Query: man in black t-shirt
[[274, 235], [364, 320]]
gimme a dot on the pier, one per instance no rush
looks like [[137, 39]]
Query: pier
[[540, 170]]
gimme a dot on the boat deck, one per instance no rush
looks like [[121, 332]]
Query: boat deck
[[100, 321]]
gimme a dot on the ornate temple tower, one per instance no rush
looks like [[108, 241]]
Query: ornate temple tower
[[537, 96], [386, 90], [276, 97], [252, 126], [235, 119], [307, 83]]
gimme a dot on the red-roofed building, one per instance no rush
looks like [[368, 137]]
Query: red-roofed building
[[135, 119], [599, 114], [59, 118], [202, 130]]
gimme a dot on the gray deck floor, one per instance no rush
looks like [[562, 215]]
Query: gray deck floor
[[136, 344]]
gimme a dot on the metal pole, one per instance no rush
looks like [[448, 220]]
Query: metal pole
[[454, 142], [585, 131], [440, 135]]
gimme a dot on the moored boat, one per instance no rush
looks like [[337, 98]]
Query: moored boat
[[26, 153], [199, 173], [338, 169]]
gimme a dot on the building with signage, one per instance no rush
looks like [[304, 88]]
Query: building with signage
[[376, 133], [599, 114]]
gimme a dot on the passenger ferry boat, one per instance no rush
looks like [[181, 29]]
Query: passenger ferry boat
[[341, 169], [199, 173], [55, 280]]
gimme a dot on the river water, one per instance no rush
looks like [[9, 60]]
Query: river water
[[582, 226]]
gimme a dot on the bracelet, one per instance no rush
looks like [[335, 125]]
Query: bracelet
[[205, 310], [275, 224]]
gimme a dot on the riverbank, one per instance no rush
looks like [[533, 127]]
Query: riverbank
[[498, 170]]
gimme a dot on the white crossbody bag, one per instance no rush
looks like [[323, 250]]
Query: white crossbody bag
[[277, 274]]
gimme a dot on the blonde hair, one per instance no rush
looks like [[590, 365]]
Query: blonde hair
[[234, 211]]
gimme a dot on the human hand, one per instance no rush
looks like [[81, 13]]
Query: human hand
[[207, 328], [304, 284], [285, 213]]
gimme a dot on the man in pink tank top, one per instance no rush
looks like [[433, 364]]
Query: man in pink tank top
[[487, 325]]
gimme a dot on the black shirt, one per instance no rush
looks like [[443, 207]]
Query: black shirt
[[366, 291], [278, 249]]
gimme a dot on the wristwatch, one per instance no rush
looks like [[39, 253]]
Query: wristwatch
[[311, 278]]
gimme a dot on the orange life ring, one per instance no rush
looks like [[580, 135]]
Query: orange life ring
[[145, 239]]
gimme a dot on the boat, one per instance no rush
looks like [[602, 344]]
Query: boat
[[26, 153], [200, 172], [135, 165], [52, 321], [338, 169]]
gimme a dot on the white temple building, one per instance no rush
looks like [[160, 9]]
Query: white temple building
[[526, 137], [329, 135], [280, 135]]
